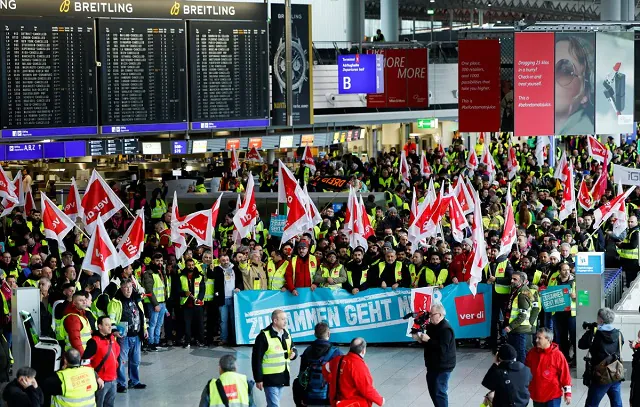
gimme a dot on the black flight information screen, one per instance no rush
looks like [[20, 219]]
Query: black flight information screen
[[143, 81], [48, 78], [229, 71]]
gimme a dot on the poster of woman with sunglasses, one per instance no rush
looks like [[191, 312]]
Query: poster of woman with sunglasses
[[575, 90]]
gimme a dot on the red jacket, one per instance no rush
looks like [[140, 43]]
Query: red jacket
[[356, 383], [96, 350], [550, 370], [73, 326], [303, 277], [456, 268]]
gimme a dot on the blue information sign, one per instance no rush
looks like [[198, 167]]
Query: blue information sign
[[24, 151], [361, 73], [589, 263], [179, 147]]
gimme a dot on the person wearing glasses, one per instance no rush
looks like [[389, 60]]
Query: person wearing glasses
[[439, 344], [574, 89]]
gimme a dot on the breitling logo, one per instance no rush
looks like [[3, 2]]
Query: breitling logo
[[65, 6], [175, 9]]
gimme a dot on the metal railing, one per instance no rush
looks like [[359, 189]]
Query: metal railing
[[613, 287], [327, 52]]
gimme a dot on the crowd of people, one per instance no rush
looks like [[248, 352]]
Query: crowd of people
[[163, 301]]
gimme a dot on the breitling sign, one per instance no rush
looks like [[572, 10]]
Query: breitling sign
[[185, 9]]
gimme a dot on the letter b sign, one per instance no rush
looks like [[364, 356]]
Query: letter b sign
[[346, 83]]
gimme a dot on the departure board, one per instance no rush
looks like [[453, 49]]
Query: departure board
[[143, 82], [48, 78], [229, 74], [114, 147]]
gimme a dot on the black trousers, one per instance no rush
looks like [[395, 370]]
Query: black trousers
[[630, 268], [213, 321], [497, 314], [193, 317]]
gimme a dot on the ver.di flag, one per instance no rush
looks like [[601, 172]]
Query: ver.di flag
[[132, 242], [56, 223], [99, 200], [101, 255]]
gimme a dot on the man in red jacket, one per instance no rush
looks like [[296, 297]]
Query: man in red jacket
[[102, 352], [550, 370], [301, 270], [75, 322], [457, 272], [356, 383]]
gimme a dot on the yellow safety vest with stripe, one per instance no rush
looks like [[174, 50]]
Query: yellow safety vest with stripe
[[275, 359], [537, 275], [114, 310], [200, 188], [496, 222], [78, 387], [500, 270], [431, 276], [414, 274], [363, 277], [535, 304], [629, 254], [79, 251], [395, 200], [184, 283], [236, 388], [159, 289], [382, 265], [333, 273], [160, 209], [515, 311], [31, 283], [222, 233], [313, 267], [5, 305], [385, 184], [209, 289], [276, 276], [554, 282], [85, 332]]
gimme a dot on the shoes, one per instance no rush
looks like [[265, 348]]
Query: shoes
[[121, 389], [199, 345], [186, 346], [152, 348], [140, 386], [223, 343], [160, 346], [169, 343]]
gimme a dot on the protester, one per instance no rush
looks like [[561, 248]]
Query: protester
[[231, 388], [73, 384], [439, 354], [551, 376], [508, 379], [517, 311], [103, 352], [23, 391], [349, 377]]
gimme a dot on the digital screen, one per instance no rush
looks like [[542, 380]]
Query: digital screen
[[179, 147], [48, 79], [286, 141], [199, 146], [114, 147], [24, 151], [229, 74], [75, 148], [151, 148], [54, 150], [143, 81]]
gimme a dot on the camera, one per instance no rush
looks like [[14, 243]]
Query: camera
[[420, 321], [589, 325]]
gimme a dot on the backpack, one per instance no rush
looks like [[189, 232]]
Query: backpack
[[312, 380]]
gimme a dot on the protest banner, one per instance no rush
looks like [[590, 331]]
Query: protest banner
[[556, 298]]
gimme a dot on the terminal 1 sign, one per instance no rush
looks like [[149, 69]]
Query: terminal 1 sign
[[360, 73]]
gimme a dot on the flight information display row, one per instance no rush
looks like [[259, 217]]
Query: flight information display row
[[55, 82]]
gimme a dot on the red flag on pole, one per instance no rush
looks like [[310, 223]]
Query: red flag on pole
[[101, 256], [99, 200], [56, 224], [132, 242]]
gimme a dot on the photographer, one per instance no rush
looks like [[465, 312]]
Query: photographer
[[604, 343], [439, 354]]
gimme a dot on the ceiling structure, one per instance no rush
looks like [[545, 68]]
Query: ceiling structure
[[504, 11]]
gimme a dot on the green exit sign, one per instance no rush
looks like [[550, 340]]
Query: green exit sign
[[431, 12], [428, 123]]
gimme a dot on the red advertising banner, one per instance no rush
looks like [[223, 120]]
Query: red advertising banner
[[479, 85], [254, 142], [233, 143], [534, 87], [405, 79]]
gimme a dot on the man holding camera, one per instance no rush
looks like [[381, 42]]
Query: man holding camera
[[439, 354], [604, 343]]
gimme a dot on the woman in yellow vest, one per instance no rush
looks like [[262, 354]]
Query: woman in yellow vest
[[158, 205]]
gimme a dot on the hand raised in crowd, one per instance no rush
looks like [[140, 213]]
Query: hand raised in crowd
[[383, 285], [395, 286], [313, 287], [259, 386], [355, 291]]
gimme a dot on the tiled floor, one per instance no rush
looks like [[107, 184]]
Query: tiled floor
[[177, 377]]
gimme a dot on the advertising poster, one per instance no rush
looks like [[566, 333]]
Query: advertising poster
[[534, 84], [614, 82], [479, 85], [405, 79], [575, 78], [302, 64]]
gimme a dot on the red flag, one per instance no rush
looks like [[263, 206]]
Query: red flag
[[178, 238], [568, 194], [604, 212], [56, 224], [509, 232], [132, 243], [198, 225], [246, 217], [101, 255], [99, 200], [478, 259], [560, 172], [584, 197], [254, 155], [308, 158], [7, 188], [597, 150], [512, 163], [9, 205], [414, 207], [215, 209], [29, 202], [235, 164], [600, 187], [366, 225], [489, 162], [404, 168], [472, 160], [425, 168], [72, 208], [294, 196], [458, 220]]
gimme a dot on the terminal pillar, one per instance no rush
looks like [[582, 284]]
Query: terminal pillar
[[589, 297], [628, 10], [271, 156], [471, 16], [480, 17], [389, 19], [610, 10], [355, 21]]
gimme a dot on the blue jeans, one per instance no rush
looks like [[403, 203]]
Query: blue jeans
[[438, 385], [155, 323], [597, 392], [519, 342], [226, 320], [273, 395], [129, 360], [106, 397], [550, 403]]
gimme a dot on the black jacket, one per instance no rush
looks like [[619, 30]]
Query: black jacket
[[16, 396], [316, 350], [388, 275], [601, 344], [218, 283], [510, 382], [440, 349], [259, 349], [356, 273]]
